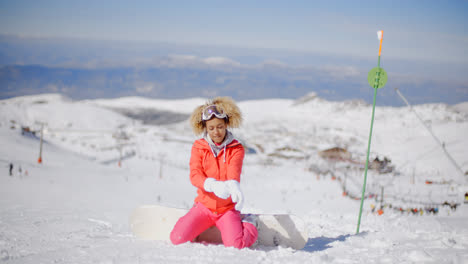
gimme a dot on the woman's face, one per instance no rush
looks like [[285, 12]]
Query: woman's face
[[216, 129]]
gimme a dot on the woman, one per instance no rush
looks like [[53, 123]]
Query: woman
[[215, 169]]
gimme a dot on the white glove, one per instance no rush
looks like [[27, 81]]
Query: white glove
[[219, 188], [236, 194]]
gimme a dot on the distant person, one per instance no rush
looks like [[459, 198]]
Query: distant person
[[215, 168], [11, 169]]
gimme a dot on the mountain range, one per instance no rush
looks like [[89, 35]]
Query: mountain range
[[101, 69]]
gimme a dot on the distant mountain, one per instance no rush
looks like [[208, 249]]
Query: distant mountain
[[84, 69], [241, 83], [169, 82]]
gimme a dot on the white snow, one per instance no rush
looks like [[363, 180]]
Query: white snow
[[74, 207]]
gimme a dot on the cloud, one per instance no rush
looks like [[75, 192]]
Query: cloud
[[52, 88], [146, 87], [273, 63], [220, 61], [341, 72]]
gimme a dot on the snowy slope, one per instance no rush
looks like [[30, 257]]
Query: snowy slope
[[74, 207]]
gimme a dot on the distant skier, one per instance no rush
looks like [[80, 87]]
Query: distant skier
[[11, 169], [215, 169]]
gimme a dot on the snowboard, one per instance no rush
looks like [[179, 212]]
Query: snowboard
[[155, 222]]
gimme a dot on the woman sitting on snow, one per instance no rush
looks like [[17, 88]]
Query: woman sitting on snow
[[215, 169]]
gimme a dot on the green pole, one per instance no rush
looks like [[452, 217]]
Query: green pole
[[377, 78], [367, 158]]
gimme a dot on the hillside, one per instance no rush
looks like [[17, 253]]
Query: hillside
[[74, 207]]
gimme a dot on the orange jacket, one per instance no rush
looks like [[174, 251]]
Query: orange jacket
[[226, 166]]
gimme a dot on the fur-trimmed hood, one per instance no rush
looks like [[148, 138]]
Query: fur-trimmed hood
[[225, 104]]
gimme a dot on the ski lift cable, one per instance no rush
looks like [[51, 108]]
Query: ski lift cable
[[432, 134]]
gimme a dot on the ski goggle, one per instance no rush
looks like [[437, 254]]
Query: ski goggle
[[211, 110]]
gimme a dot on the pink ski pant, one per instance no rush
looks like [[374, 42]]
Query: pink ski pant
[[234, 232]]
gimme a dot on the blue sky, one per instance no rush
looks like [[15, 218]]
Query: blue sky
[[434, 31]]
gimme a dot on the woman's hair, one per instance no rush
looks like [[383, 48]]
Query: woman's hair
[[223, 104]]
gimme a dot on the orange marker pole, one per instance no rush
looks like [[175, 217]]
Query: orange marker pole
[[381, 38]]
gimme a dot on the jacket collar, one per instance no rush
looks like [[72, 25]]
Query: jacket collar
[[217, 148], [229, 141]]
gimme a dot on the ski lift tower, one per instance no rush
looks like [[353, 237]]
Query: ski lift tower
[[121, 137], [39, 160]]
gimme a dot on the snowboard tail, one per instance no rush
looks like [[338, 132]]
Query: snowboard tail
[[155, 222]]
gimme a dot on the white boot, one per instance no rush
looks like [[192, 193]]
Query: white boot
[[250, 218]]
